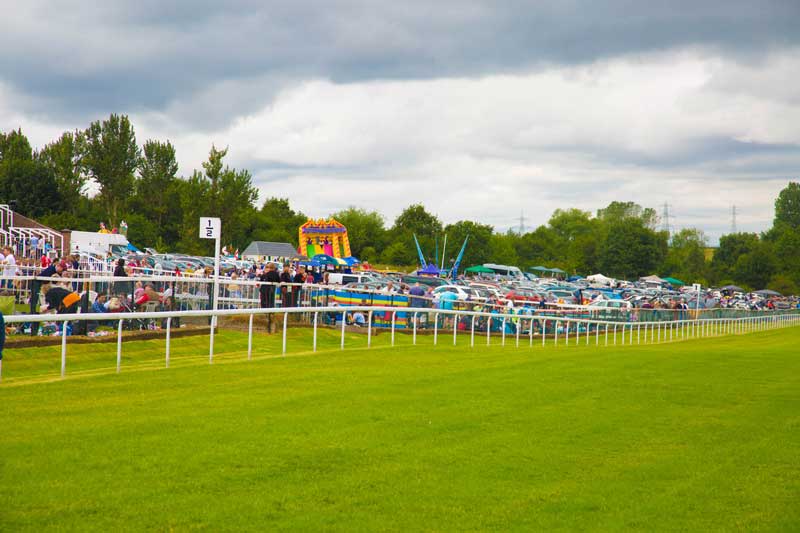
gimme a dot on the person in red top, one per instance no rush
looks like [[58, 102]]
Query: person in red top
[[148, 295], [45, 261]]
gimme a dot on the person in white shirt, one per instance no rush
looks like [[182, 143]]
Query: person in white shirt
[[9, 267]]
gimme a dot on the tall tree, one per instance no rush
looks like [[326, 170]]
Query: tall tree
[[111, 159], [621, 210], [23, 179], [365, 229], [686, 256], [478, 249], [64, 159], [787, 206], [414, 220], [158, 170], [277, 222], [731, 247], [632, 250], [219, 192]]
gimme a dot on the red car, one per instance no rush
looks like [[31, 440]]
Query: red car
[[523, 295]]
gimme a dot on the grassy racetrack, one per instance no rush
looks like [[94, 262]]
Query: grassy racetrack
[[699, 435]]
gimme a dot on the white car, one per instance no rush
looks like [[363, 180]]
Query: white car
[[611, 304], [461, 291]]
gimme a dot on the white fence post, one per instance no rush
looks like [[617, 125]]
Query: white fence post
[[119, 345], [344, 321], [530, 331], [472, 333], [369, 329], [250, 336], [64, 348], [558, 325], [211, 341], [544, 331], [316, 319], [169, 328], [394, 319], [285, 320]]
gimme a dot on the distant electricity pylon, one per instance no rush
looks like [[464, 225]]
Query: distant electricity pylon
[[665, 216], [733, 220], [521, 223]]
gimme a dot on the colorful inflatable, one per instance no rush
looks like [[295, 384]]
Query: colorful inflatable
[[322, 236]]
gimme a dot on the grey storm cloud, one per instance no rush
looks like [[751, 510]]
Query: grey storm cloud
[[89, 58]]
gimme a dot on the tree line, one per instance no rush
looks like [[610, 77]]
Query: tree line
[[103, 174]]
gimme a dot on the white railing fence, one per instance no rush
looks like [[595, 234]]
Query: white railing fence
[[585, 331]]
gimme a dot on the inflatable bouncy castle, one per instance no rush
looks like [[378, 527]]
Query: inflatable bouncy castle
[[322, 236]]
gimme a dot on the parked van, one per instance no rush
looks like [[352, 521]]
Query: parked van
[[339, 278]]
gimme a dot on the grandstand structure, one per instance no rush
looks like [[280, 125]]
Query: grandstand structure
[[16, 230]]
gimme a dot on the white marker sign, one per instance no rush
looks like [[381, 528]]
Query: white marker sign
[[210, 228]]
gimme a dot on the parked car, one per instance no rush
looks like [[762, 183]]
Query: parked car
[[561, 297], [523, 295], [611, 304], [463, 293]]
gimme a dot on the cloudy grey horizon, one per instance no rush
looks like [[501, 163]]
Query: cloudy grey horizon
[[477, 110]]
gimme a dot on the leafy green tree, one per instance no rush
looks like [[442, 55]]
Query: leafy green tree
[[783, 284], [787, 251], [220, 192], [541, 246], [501, 249], [111, 159], [24, 179], [616, 211], [755, 268], [276, 221], [787, 206], [396, 254], [478, 249], [686, 256], [414, 220], [731, 247], [365, 229], [632, 250], [64, 160], [192, 194], [158, 169]]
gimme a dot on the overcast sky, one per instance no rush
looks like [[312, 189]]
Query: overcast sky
[[479, 110]]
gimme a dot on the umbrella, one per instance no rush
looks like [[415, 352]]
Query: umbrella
[[557, 271], [768, 292], [351, 260], [673, 281], [732, 288], [329, 260], [479, 269], [540, 268]]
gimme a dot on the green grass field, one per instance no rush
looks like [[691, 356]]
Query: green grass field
[[700, 435]]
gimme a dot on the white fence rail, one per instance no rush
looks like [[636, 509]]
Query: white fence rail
[[585, 331]]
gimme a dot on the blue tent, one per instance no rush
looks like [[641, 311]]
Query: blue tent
[[429, 270]]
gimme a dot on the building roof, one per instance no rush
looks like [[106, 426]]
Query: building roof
[[271, 249]]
